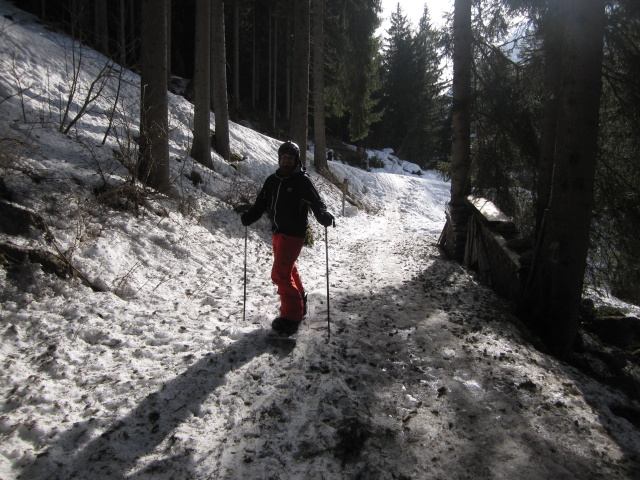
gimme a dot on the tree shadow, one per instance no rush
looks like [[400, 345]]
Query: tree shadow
[[506, 424], [149, 424], [477, 413]]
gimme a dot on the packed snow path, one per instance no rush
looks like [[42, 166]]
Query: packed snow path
[[422, 378]]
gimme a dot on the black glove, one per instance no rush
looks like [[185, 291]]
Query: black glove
[[327, 219], [244, 218]]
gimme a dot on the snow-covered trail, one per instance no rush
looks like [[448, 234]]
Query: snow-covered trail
[[445, 383], [422, 378]]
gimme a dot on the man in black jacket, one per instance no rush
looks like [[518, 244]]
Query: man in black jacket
[[287, 196]]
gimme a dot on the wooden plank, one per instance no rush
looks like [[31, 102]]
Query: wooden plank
[[488, 210]]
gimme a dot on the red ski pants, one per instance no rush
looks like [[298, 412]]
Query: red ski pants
[[284, 274]]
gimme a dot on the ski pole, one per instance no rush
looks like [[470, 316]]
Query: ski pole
[[244, 300], [326, 244]]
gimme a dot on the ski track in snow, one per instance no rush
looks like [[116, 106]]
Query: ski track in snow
[[424, 376]]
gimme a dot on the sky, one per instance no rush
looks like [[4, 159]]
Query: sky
[[148, 367]]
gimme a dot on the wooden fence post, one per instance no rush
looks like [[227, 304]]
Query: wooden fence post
[[345, 189]]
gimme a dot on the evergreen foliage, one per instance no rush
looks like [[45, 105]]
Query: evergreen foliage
[[507, 108], [415, 120], [352, 64], [616, 226], [507, 114]]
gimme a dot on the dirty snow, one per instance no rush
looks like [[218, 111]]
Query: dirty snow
[[424, 375]]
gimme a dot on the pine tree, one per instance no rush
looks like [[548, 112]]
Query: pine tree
[[352, 64], [400, 83], [614, 252], [426, 146], [561, 256], [461, 109], [414, 105], [300, 77], [219, 79], [153, 162], [201, 149], [320, 143], [454, 234], [100, 27]]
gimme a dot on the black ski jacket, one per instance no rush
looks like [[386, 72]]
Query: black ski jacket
[[287, 200]]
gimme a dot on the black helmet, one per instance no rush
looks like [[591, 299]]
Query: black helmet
[[289, 148]]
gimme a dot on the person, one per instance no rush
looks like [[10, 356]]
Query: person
[[287, 196]]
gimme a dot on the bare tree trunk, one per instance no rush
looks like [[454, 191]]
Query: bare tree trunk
[[461, 146], [274, 98], [271, 61], [76, 20], [134, 53], [455, 231], [153, 166], [287, 74], [254, 62], [300, 77], [236, 54], [319, 139], [221, 106], [558, 272], [122, 34], [553, 29], [100, 31], [169, 33], [201, 149]]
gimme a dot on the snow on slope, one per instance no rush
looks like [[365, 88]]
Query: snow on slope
[[158, 376]]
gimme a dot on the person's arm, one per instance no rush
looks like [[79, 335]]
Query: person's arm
[[257, 209], [318, 207]]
